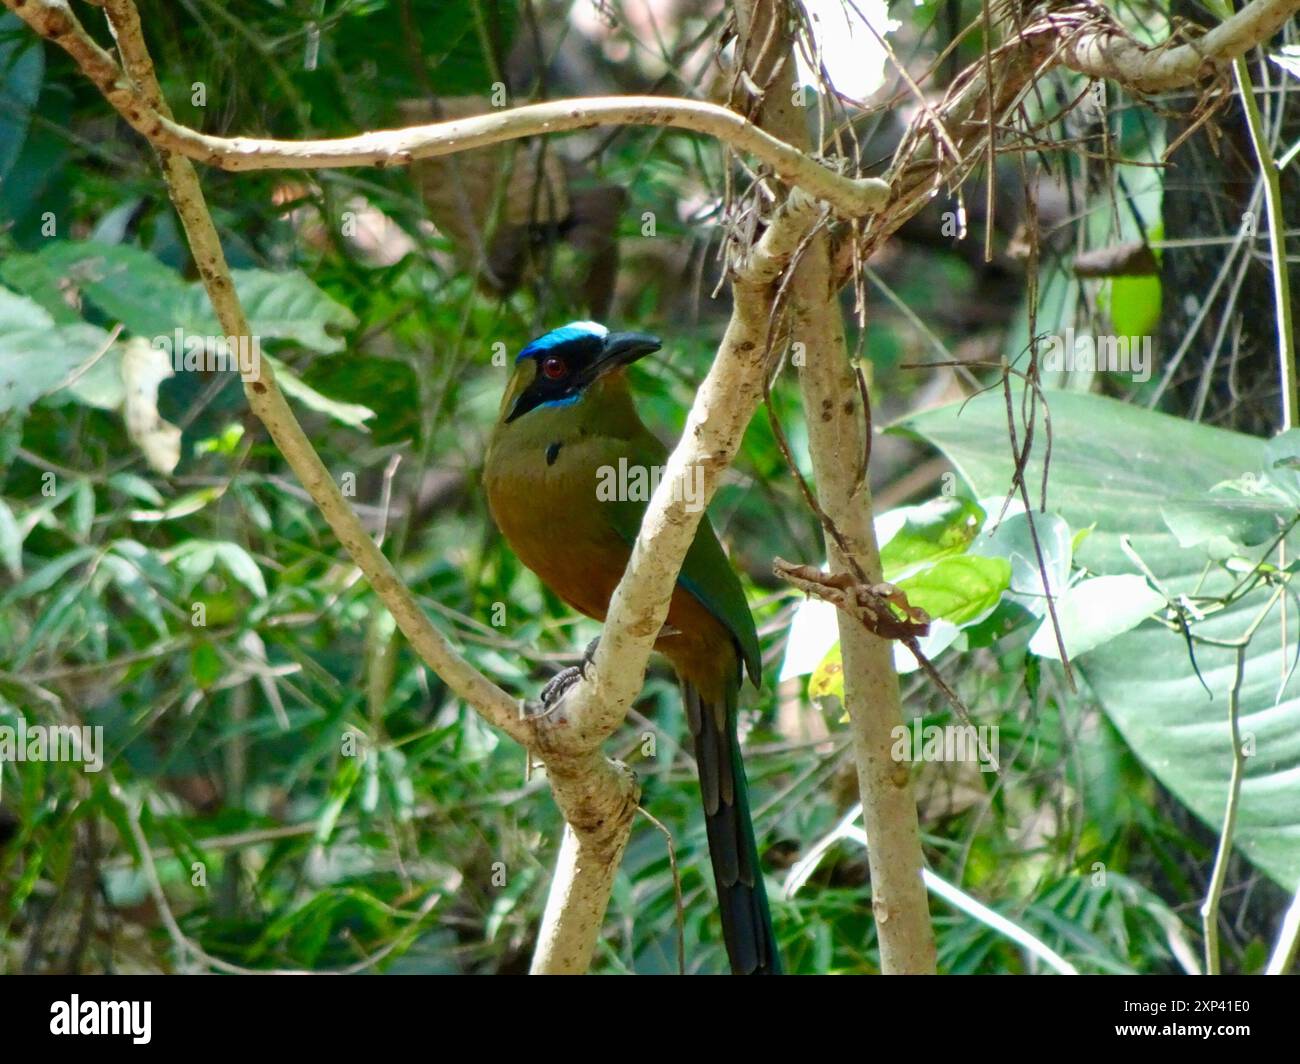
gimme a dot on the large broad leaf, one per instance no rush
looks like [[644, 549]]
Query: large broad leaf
[[152, 300], [129, 285], [36, 356], [1094, 612], [289, 306], [1122, 468], [22, 71]]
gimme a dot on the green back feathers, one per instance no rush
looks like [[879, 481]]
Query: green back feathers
[[707, 575]]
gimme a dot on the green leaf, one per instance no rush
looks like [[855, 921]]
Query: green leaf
[[82, 515], [149, 563], [152, 300], [1226, 520], [289, 306], [1013, 539], [102, 385], [828, 678], [1095, 611], [1281, 468], [225, 444], [45, 577], [193, 560], [136, 487], [239, 564], [257, 513], [205, 665], [1245, 511], [134, 589], [31, 276], [341, 786], [36, 355], [11, 436], [399, 786], [182, 506], [937, 529], [370, 788], [1133, 304], [351, 414], [961, 589], [129, 285], [22, 72], [11, 542], [1118, 467], [60, 614]]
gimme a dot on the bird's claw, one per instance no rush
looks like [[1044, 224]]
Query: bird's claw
[[560, 683]]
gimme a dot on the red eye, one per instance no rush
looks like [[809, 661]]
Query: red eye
[[553, 367]]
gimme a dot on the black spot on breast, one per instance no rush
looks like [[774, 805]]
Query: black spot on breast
[[553, 452]]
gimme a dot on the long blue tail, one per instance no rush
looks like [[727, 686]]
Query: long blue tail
[[733, 850]]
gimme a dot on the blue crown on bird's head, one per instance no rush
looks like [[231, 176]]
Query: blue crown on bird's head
[[573, 357], [573, 332]]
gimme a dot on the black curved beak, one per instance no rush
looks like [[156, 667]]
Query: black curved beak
[[624, 348]]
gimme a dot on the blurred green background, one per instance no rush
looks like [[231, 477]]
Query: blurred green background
[[310, 794]]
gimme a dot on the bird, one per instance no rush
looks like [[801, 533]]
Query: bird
[[567, 418]]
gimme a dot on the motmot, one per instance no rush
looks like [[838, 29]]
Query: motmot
[[567, 417]]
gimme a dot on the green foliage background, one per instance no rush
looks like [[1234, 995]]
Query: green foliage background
[[228, 745]]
